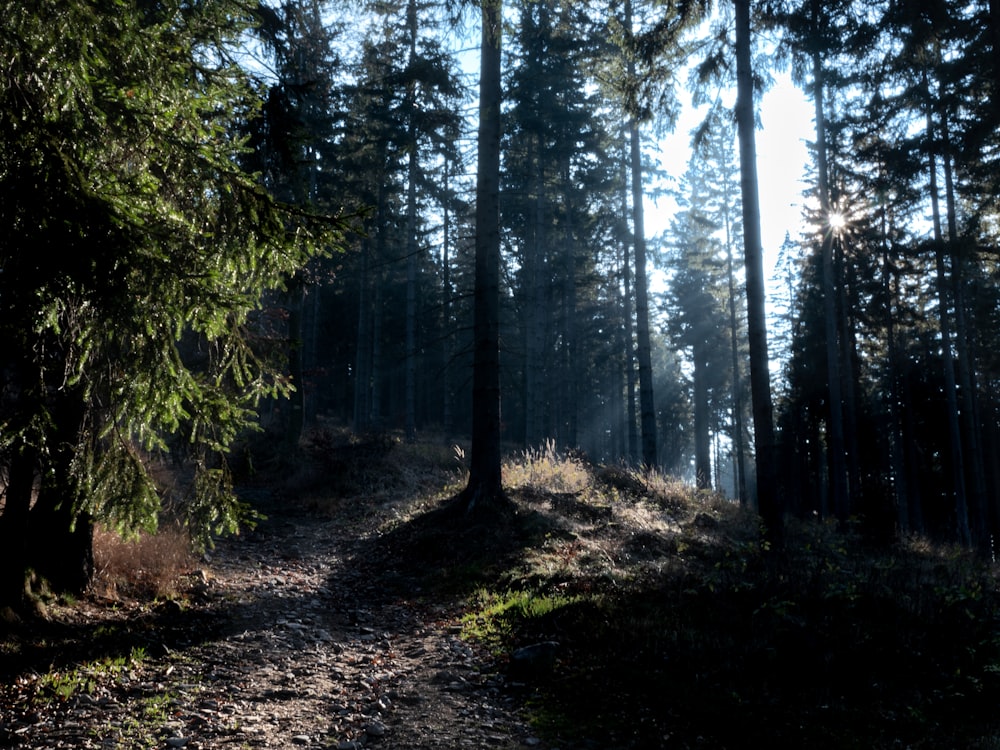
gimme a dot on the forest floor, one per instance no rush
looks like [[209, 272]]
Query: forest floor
[[613, 610]]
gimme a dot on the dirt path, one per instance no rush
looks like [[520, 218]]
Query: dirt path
[[285, 646]]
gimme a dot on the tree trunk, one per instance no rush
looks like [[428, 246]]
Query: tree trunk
[[848, 370], [411, 240], [647, 405], [61, 537], [297, 398], [835, 419], [900, 481], [768, 503], [971, 426], [537, 308], [994, 7], [962, 530], [739, 453], [14, 550], [447, 417], [484, 490], [570, 395], [376, 372], [363, 356], [629, 351], [702, 436]]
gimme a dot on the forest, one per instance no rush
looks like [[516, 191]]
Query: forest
[[864, 394], [399, 216], [355, 301]]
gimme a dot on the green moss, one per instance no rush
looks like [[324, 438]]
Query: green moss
[[494, 619]]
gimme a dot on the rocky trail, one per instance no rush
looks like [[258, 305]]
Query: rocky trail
[[286, 642]]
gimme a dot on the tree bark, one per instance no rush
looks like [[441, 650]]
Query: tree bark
[[647, 405], [702, 436], [835, 418], [484, 488], [971, 426], [962, 529], [447, 418], [14, 559], [900, 480], [411, 237], [537, 307], [629, 348], [739, 462], [297, 398], [61, 535], [570, 395], [768, 504], [363, 355]]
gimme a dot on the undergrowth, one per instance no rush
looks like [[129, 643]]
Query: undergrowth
[[493, 619], [149, 566], [60, 685], [677, 628]]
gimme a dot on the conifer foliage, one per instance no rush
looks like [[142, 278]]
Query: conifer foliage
[[134, 247]]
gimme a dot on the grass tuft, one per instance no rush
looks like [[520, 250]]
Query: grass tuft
[[546, 467]]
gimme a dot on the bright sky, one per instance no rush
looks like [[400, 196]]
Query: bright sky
[[782, 156]]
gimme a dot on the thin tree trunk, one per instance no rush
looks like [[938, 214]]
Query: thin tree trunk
[[629, 350], [296, 399], [994, 6], [447, 418], [647, 405], [848, 357], [571, 383], [376, 369], [739, 453], [897, 460], [702, 436], [970, 404], [951, 392], [835, 419], [768, 503], [410, 429], [363, 356], [538, 310], [411, 238]]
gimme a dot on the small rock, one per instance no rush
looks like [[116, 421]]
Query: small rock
[[375, 729], [348, 745], [301, 739], [176, 741]]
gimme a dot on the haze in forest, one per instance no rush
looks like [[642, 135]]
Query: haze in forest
[[782, 156]]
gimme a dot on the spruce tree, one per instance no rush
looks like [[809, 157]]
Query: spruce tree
[[130, 229]]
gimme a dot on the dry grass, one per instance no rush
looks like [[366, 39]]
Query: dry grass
[[614, 526], [148, 567], [549, 469], [668, 591]]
